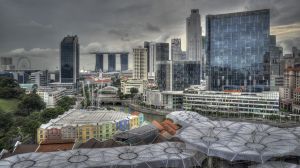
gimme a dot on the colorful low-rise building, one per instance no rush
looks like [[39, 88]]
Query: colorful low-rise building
[[134, 121], [82, 125], [141, 117]]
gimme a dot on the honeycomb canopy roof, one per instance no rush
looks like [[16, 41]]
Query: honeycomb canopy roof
[[185, 118], [239, 140], [275, 164], [167, 154]]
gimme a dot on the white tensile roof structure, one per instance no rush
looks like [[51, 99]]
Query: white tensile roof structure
[[239, 141], [167, 154], [28, 160], [186, 118], [275, 164], [236, 140]]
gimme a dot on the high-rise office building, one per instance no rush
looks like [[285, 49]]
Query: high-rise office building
[[41, 78], [176, 52], [163, 67], [185, 74], [194, 36], [163, 75], [140, 63], [151, 58], [6, 63], [276, 74], [111, 61], [69, 60], [162, 51], [238, 50], [156, 52], [147, 46]]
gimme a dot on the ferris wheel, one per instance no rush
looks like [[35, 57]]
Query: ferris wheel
[[23, 63]]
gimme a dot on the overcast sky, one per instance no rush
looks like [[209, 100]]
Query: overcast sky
[[34, 28]]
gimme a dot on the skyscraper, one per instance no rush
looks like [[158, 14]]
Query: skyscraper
[[194, 36], [111, 61], [151, 58], [140, 63], [69, 60], [163, 66], [162, 51], [176, 52], [156, 52], [185, 74], [238, 50]]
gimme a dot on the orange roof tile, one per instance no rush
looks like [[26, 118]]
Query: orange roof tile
[[55, 147], [171, 124], [169, 129], [157, 125], [135, 113], [25, 148]]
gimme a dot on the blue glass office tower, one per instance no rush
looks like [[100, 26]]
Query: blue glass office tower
[[237, 48], [163, 66], [185, 74], [69, 60]]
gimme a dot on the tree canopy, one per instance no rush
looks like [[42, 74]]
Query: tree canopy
[[65, 103], [134, 90], [9, 88], [30, 103]]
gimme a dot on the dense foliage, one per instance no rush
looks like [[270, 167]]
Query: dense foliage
[[21, 124], [66, 102], [30, 103], [9, 88]]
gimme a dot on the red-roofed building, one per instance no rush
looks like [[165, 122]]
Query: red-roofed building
[[55, 147]]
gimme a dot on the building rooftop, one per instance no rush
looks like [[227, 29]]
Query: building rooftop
[[173, 92], [55, 147], [134, 136], [167, 154], [70, 39], [94, 143], [78, 117], [266, 95], [244, 13]]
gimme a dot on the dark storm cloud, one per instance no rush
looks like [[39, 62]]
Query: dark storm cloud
[[120, 34], [153, 28], [121, 24]]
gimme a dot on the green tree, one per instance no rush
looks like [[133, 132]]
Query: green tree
[[120, 94], [116, 82], [8, 82], [65, 103], [133, 91], [30, 103], [30, 126], [51, 113], [6, 121], [9, 88]]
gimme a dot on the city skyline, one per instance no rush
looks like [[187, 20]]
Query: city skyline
[[118, 26], [139, 83]]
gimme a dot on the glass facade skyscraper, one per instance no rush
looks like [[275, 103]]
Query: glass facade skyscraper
[[185, 74], [238, 50], [194, 36], [69, 60], [162, 66]]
